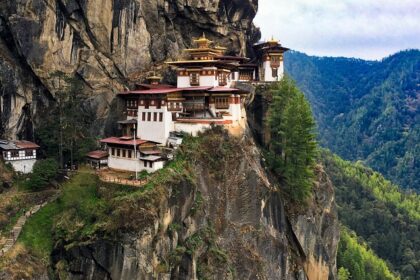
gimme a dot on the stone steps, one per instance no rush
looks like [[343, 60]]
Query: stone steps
[[17, 229]]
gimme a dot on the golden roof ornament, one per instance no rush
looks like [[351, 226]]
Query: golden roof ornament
[[272, 40], [154, 79]]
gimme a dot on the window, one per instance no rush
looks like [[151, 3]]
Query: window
[[150, 164], [145, 163], [132, 103], [222, 79], [149, 116], [275, 72], [123, 153], [130, 154], [143, 116], [113, 151], [161, 117], [195, 79], [15, 154], [29, 153], [118, 152], [155, 117], [222, 102]]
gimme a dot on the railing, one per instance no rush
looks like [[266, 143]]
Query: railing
[[120, 181]]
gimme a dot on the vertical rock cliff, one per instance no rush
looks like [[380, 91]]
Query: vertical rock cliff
[[224, 220], [107, 44]]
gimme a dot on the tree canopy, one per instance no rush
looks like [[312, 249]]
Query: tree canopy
[[292, 149], [366, 110]]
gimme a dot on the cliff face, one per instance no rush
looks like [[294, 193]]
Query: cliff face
[[105, 43], [228, 222]]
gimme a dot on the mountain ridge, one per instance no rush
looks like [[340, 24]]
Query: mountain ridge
[[366, 110]]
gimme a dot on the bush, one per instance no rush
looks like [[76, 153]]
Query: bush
[[44, 171]]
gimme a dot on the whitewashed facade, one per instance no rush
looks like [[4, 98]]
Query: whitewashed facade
[[20, 154]]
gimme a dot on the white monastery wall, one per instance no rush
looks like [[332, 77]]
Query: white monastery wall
[[191, 128], [133, 164], [183, 81], [25, 166], [152, 129], [210, 81]]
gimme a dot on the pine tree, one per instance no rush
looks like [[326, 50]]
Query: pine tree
[[292, 150]]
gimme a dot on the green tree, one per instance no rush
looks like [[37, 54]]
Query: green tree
[[357, 262], [65, 132], [343, 274], [43, 172], [293, 149]]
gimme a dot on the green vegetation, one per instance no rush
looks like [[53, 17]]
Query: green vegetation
[[88, 207], [382, 189], [43, 172], [292, 151], [366, 110], [65, 130], [357, 262], [37, 232], [71, 217], [378, 212]]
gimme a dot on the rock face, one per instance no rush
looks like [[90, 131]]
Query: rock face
[[108, 44], [230, 224]]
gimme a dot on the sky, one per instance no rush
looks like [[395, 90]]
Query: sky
[[368, 29]]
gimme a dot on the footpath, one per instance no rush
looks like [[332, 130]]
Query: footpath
[[17, 228]]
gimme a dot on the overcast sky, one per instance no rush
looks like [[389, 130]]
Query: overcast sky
[[370, 29]]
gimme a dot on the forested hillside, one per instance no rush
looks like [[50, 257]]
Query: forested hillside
[[388, 220], [357, 262], [366, 110]]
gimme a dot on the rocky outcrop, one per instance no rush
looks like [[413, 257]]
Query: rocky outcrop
[[108, 44], [317, 229], [230, 222]]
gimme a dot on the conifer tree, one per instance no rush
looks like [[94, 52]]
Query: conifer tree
[[292, 150]]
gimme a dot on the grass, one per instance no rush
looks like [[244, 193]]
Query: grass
[[70, 216], [88, 207], [37, 232]]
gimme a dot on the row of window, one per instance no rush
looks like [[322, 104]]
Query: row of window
[[195, 79], [148, 116], [122, 153], [175, 106], [133, 103], [222, 102], [16, 154]]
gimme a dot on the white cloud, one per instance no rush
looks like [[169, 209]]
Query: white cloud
[[368, 29]]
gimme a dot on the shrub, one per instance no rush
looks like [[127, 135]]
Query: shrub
[[44, 171]]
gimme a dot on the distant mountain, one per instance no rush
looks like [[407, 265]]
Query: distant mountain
[[379, 213], [366, 110]]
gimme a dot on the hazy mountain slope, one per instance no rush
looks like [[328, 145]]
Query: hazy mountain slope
[[388, 220], [366, 110]]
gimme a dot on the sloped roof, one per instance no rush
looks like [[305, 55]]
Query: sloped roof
[[17, 145], [120, 141], [97, 154]]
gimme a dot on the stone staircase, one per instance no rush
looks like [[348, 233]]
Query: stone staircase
[[17, 229]]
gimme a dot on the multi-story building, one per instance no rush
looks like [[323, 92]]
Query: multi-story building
[[205, 95]]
